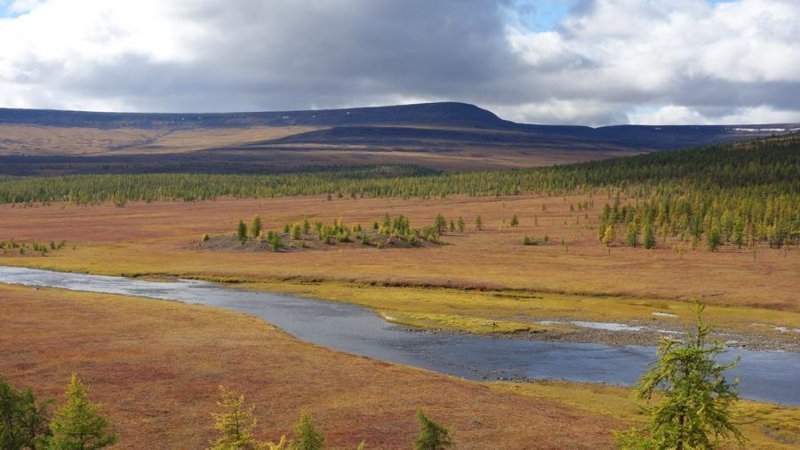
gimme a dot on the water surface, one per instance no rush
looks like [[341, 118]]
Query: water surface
[[768, 376]]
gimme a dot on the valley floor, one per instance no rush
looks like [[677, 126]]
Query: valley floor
[[155, 367], [478, 281]]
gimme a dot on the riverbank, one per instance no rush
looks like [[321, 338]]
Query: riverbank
[[155, 365], [549, 316], [546, 316]]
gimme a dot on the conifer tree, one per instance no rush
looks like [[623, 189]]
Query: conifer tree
[[632, 234], [441, 224], [609, 235], [23, 420], [297, 230], [275, 242], [461, 224], [77, 425], [235, 423], [241, 232], [256, 227], [694, 411], [649, 237], [308, 437], [714, 239], [514, 221], [432, 436], [478, 223]]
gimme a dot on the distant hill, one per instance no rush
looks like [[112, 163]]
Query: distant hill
[[449, 114], [445, 135]]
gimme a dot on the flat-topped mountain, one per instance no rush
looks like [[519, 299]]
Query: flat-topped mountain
[[445, 135], [447, 113]]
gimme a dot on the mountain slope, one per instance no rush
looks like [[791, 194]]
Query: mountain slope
[[447, 135]]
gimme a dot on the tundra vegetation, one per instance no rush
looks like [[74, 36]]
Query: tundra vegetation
[[739, 194], [12, 246]]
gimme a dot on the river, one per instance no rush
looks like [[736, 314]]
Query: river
[[766, 376]]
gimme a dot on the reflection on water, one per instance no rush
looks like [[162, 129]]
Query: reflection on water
[[770, 376]]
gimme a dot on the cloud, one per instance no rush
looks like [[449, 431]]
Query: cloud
[[608, 61]]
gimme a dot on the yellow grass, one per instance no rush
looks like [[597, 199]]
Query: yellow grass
[[766, 426], [40, 140]]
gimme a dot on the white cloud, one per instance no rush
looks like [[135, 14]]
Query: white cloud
[[669, 115], [698, 62]]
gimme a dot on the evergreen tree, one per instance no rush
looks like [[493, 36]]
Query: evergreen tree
[[297, 231], [275, 242], [478, 223], [632, 234], [235, 423], [441, 224], [432, 436], [461, 224], [308, 437], [737, 235], [714, 239], [695, 409], [23, 420], [77, 425], [514, 221], [241, 232], [649, 237], [256, 227]]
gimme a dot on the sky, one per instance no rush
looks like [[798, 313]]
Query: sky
[[589, 62]]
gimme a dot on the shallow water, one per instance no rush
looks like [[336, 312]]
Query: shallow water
[[768, 376]]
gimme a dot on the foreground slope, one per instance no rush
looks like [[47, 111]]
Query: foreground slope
[[156, 365]]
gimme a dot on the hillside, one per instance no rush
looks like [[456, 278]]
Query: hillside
[[449, 136]]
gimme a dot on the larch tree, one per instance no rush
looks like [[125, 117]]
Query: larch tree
[[694, 410], [256, 227], [649, 237], [241, 231], [234, 422], [78, 425], [308, 437], [432, 436], [23, 420], [609, 235]]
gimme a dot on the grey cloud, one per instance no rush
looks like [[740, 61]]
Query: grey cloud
[[285, 54]]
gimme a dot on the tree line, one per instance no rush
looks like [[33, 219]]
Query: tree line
[[769, 166]]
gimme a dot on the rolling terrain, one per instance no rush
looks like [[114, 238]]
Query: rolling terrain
[[443, 136]]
